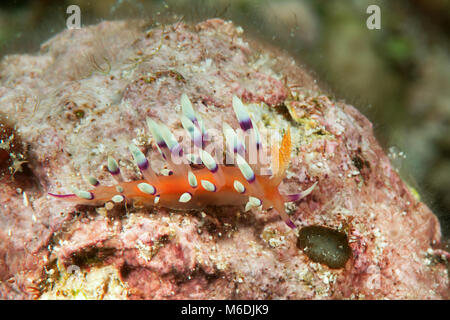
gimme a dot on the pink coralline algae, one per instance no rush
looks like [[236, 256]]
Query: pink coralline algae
[[86, 96]]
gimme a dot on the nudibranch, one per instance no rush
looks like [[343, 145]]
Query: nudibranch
[[191, 186]]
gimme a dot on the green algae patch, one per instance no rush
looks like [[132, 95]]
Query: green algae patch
[[324, 245]]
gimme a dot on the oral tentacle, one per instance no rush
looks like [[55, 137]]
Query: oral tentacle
[[298, 196]]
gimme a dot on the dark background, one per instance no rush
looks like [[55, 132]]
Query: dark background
[[397, 76]]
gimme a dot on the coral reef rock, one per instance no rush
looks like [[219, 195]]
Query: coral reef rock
[[86, 95]]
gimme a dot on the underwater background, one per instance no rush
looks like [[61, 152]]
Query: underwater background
[[398, 76]]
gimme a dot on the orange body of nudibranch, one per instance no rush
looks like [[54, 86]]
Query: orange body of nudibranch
[[170, 188], [189, 188]]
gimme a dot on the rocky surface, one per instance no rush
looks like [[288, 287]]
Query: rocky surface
[[87, 94]]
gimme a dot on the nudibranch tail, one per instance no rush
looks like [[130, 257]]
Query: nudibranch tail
[[186, 187]]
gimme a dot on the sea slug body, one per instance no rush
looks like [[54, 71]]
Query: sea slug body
[[189, 187]]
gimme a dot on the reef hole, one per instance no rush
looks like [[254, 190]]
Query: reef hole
[[324, 245]]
